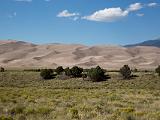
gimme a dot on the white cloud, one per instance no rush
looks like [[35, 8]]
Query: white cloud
[[66, 13], [23, 0], [140, 14], [107, 15], [113, 14], [152, 4], [135, 7]]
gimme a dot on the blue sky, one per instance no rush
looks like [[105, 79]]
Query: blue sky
[[87, 22]]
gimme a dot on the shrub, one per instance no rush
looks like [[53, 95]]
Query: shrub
[[68, 71], [59, 70], [1, 69], [96, 74], [126, 72], [158, 70], [76, 71], [46, 73]]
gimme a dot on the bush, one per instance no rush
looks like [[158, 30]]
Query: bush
[[46, 73], [68, 71], [96, 74], [1, 69], [126, 72], [158, 70], [59, 70], [76, 71]]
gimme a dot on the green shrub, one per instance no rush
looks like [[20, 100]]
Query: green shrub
[[76, 71], [1, 69], [97, 74], [126, 72], [68, 71], [59, 70], [158, 70], [46, 74]]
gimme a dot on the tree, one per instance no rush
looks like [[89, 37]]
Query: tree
[[97, 74], [126, 72], [46, 73], [68, 71], [158, 70], [76, 71], [59, 70], [1, 69]]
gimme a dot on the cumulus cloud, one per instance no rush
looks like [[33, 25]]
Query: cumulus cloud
[[107, 15], [23, 0], [135, 7], [113, 14], [152, 4], [66, 13]]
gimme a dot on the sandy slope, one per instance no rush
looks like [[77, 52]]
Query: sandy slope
[[18, 54]]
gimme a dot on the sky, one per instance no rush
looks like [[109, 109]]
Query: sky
[[88, 22]]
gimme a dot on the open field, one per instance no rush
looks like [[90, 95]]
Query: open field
[[24, 95]]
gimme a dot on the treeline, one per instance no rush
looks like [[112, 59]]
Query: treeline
[[94, 74]]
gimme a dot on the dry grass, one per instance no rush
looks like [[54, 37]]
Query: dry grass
[[23, 95]]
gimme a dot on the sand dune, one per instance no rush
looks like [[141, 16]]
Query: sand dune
[[18, 54]]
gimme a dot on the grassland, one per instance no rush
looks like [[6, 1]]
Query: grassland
[[25, 96]]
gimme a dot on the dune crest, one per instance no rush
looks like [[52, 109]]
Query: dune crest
[[19, 54]]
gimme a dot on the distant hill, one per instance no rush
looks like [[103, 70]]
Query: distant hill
[[154, 43], [19, 54]]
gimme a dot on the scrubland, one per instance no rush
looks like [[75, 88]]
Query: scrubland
[[25, 96]]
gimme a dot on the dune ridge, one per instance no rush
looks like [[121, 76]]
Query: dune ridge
[[19, 54]]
